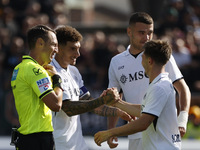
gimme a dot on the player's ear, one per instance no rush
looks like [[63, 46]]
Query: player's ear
[[129, 31], [39, 43], [150, 60]]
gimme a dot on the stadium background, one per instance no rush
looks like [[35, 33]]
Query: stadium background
[[103, 25]]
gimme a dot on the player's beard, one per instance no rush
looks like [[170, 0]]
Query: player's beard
[[138, 46]]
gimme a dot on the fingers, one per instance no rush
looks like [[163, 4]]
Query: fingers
[[111, 96], [103, 93], [97, 139], [111, 143], [101, 136], [124, 115], [50, 69], [182, 131]]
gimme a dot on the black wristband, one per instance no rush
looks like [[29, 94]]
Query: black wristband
[[56, 81]]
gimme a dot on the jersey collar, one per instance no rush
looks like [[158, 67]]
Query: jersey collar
[[29, 57], [56, 64], [127, 52], [161, 75]]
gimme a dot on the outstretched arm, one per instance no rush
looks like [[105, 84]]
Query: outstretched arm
[[133, 127], [110, 111], [132, 109], [72, 108]]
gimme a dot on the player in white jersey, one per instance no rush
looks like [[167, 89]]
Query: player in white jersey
[[127, 74], [158, 113], [67, 127]]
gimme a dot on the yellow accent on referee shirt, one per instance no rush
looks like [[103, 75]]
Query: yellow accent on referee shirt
[[30, 83]]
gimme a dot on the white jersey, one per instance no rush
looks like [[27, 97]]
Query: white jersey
[[67, 130], [127, 74], [159, 101]]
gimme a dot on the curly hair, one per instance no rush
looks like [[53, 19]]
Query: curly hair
[[67, 33]]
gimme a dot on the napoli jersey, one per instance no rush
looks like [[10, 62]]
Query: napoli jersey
[[159, 101], [67, 130], [127, 74]]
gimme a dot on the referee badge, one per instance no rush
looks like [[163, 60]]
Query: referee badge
[[37, 71]]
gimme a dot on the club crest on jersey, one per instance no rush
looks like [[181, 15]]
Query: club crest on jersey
[[37, 71], [123, 78]]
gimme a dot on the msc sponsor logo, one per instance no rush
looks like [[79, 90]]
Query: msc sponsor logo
[[133, 77]]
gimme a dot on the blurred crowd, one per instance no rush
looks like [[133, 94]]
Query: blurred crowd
[[179, 24]]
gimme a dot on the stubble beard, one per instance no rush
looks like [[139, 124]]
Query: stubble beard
[[138, 47]]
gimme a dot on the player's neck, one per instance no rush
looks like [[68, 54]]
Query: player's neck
[[36, 57], [134, 51], [155, 71], [61, 61]]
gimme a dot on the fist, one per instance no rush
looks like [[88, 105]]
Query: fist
[[111, 96]]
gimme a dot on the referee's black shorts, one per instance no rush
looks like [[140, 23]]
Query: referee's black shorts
[[35, 141]]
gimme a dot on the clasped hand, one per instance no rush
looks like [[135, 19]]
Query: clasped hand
[[110, 96]]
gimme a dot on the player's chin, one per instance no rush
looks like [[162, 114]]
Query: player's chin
[[73, 62], [50, 60]]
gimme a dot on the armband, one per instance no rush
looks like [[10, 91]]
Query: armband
[[183, 119], [56, 81]]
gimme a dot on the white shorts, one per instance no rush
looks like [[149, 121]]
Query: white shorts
[[135, 144]]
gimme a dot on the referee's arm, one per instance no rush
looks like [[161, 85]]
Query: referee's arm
[[54, 99]]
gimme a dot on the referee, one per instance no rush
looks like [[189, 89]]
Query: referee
[[32, 82]]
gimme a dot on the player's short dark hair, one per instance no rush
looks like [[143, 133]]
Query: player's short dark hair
[[67, 33], [160, 51], [38, 31], [140, 17]]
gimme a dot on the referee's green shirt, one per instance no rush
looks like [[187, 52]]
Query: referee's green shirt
[[30, 83]]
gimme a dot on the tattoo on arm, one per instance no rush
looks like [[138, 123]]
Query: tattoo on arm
[[106, 111], [72, 108]]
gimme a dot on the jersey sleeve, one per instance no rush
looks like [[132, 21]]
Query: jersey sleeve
[[113, 82], [173, 70], [83, 90], [155, 101], [40, 81]]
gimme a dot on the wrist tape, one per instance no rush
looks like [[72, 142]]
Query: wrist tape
[[56, 81], [183, 119]]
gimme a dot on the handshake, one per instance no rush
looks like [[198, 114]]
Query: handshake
[[110, 96]]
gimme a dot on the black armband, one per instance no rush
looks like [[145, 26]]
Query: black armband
[[56, 81]]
